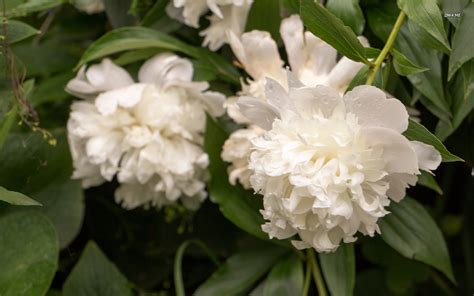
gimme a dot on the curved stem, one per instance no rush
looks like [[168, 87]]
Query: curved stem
[[317, 276], [391, 39], [307, 279]]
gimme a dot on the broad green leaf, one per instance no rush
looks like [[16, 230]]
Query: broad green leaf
[[264, 15], [427, 180], [404, 66], [94, 274], [293, 6], [18, 31], [430, 83], [236, 204], [349, 12], [133, 38], [427, 15], [178, 263], [238, 273], [16, 198], [136, 55], [411, 231], [463, 41], [339, 270], [417, 132], [63, 203], [28, 164], [28, 254], [285, 278], [329, 28], [24, 7]]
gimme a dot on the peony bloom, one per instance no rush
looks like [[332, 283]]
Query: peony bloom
[[312, 61], [328, 166], [89, 6], [227, 15], [148, 134]]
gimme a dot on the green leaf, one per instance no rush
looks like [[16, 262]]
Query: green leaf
[[156, 13], [18, 31], [427, 15], [453, 9], [427, 180], [339, 270], [401, 274], [133, 38], [411, 231], [429, 83], [293, 6], [349, 12], [238, 273], [28, 254], [63, 203], [463, 42], [264, 15], [94, 274], [178, 262], [417, 132], [286, 278], [461, 95], [329, 28], [29, 6], [30, 165], [51, 89], [404, 66], [359, 78], [236, 204], [16, 198]]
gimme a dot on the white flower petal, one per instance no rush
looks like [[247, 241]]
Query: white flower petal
[[164, 68], [398, 153], [258, 112], [258, 52], [126, 97], [372, 108], [428, 157]]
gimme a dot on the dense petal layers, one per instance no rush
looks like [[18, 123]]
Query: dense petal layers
[[148, 134], [227, 15], [328, 166], [313, 62]]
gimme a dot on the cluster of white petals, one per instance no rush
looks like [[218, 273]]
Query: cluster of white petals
[[89, 6], [227, 15], [147, 134], [312, 61], [328, 166]]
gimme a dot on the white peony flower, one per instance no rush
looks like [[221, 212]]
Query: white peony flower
[[312, 61], [226, 15], [147, 134], [327, 166], [89, 6]]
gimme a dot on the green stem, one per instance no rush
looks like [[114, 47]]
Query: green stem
[[317, 276], [391, 39], [307, 279]]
